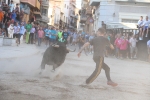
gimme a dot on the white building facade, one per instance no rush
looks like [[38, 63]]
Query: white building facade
[[119, 13]]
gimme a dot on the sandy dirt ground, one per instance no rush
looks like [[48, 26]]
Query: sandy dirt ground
[[19, 80]]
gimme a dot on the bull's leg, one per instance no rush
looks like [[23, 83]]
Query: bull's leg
[[42, 66], [54, 67]]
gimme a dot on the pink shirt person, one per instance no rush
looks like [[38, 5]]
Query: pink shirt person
[[118, 42], [124, 44], [40, 33]]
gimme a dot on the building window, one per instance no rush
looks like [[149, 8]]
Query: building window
[[65, 5], [44, 11], [129, 20]]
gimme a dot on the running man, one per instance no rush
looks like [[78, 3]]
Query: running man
[[99, 43]]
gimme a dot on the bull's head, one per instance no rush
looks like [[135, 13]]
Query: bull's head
[[62, 44]]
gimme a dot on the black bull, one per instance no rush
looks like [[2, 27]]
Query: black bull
[[54, 56]]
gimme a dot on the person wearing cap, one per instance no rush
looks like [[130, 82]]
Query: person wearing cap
[[11, 6]]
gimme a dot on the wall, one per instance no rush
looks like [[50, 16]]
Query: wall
[[116, 11]]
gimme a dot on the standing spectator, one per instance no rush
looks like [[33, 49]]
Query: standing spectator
[[75, 38], [60, 34], [133, 47], [32, 32], [17, 8], [148, 49], [16, 32], [21, 15], [40, 36], [28, 29], [47, 33], [37, 27], [90, 39], [1, 15], [65, 35], [6, 22], [146, 27], [123, 47], [13, 16], [18, 17], [11, 30], [112, 40], [11, 6], [53, 36], [140, 26], [117, 45], [81, 41], [22, 32]]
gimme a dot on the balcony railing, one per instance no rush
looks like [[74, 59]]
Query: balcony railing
[[45, 3], [45, 19], [83, 19], [89, 11]]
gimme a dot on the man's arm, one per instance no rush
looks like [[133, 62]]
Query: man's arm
[[111, 46], [84, 46]]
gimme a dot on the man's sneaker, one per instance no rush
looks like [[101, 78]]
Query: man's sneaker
[[111, 83], [146, 35]]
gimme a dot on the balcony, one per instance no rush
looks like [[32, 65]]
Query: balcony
[[83, 19], [89, 11], [140, 1], [45, 3], [95, 2], [33, 3], [45, 19], [30, 2]]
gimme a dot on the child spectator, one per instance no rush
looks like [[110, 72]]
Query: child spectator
[[40, 36]]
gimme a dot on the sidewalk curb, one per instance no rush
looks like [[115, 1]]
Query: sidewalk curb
[[22, 56]]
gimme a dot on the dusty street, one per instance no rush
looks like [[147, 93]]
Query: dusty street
[[19, 80]]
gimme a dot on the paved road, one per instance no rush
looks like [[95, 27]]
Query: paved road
[[19, 80]]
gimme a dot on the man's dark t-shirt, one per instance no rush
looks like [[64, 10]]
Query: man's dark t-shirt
[[99, 43], [65, 35]]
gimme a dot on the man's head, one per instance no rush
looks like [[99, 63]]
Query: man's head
[[11, 2], [100, 32], [141, 18]]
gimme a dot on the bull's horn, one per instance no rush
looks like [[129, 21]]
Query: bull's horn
[[57, 46], [71, 50]]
